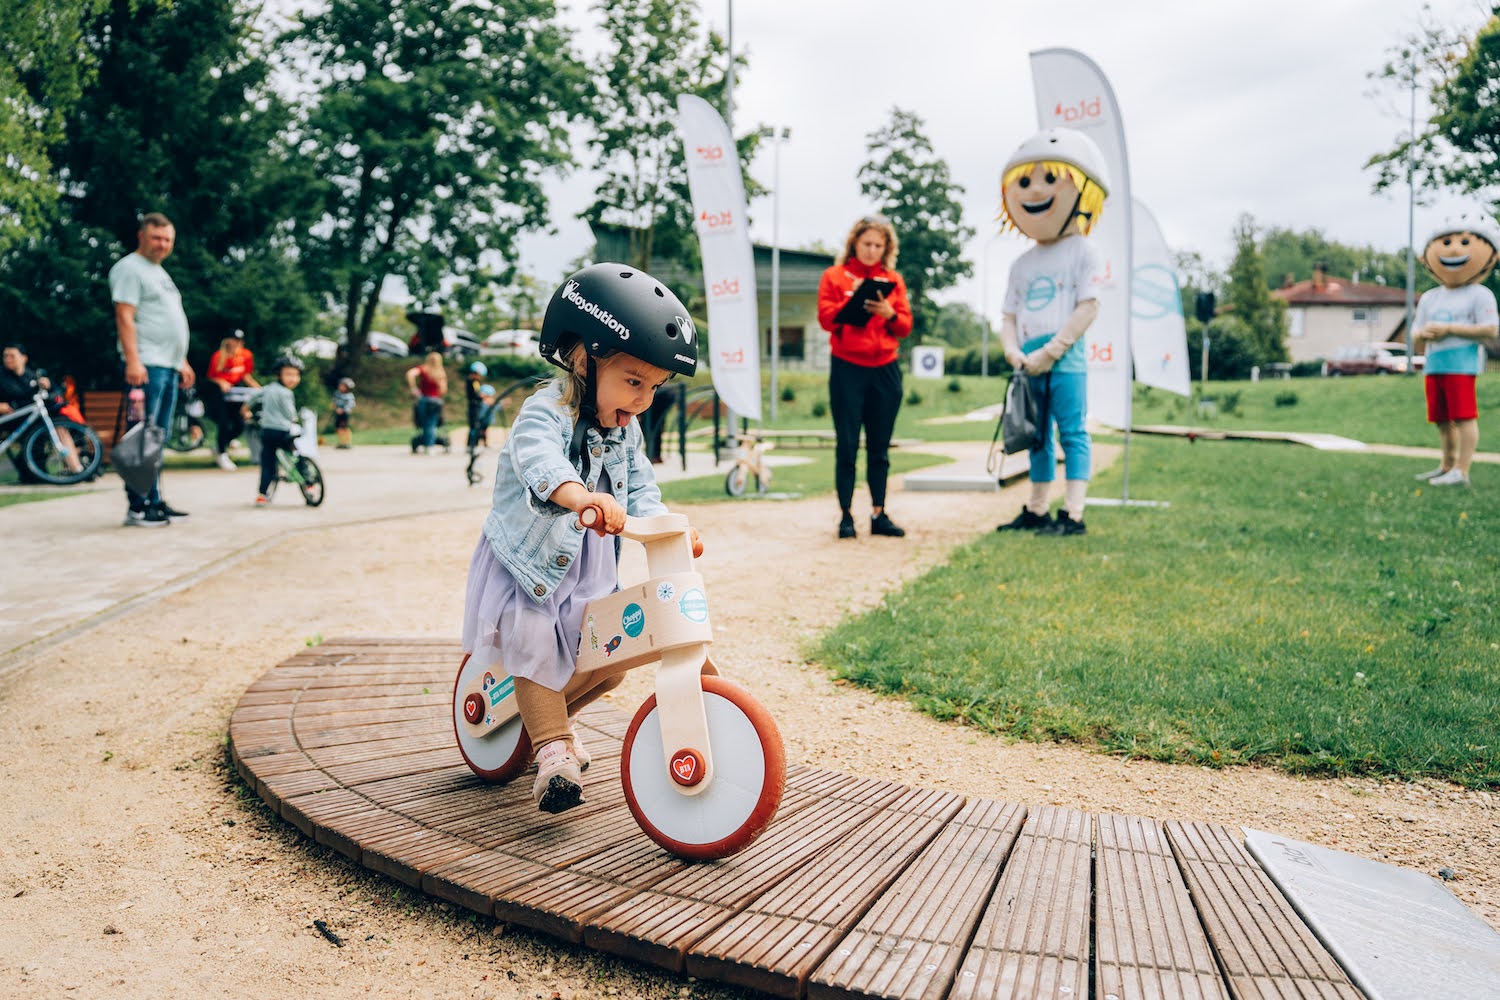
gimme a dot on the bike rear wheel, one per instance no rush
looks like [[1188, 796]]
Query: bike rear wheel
[[736, 480], [48, 464], [309, 480]]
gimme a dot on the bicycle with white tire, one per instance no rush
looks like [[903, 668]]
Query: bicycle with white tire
[[703, 767], [51, 448]]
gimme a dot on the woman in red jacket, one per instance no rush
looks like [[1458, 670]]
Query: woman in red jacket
[[864, 381]]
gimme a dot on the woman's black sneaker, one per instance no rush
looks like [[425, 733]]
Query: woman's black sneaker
[[846, 526], [1064, 525], [1027, 521], [881, 524]]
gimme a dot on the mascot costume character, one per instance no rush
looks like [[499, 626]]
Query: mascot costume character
[[1451, 321], [1053, 189]]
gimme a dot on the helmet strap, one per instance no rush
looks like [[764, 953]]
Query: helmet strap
[[588, 412]]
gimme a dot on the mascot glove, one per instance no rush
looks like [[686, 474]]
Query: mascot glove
[[1039, 362]]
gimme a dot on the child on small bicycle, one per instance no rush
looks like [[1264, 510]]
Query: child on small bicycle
[[343, 405], [279, 423], [618, 335]]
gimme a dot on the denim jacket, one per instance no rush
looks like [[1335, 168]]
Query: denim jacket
[[537, 540]]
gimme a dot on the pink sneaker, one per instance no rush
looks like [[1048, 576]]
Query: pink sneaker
[[559, 779]]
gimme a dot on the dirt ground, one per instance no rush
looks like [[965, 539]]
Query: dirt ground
[[134, 863]]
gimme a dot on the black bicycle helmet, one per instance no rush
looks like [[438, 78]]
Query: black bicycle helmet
[[615, 307], [288, 361]]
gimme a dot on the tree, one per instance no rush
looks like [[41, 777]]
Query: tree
[[177, 118], [1458, 146], [957, 326], [916, 192], [44, 66], [1248, 297], [430, 132], [657, 50], [1290, 254]]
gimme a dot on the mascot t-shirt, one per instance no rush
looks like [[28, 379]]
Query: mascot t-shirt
[[1046, 284], [1467, 305]]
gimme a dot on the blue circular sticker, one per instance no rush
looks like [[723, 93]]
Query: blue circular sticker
[[633, 620], [694, 606]]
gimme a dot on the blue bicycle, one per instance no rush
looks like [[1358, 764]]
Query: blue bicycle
[[59, 452]]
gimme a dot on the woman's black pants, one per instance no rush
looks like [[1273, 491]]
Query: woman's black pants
[[868, 398]]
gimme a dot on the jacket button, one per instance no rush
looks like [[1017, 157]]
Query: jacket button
[[539, 590], [541, 487], [562, 560], [620, 485], [597, 451]]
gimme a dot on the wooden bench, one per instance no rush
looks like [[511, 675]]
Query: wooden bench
[[101, 411]]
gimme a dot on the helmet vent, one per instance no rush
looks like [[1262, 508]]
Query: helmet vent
[[659, 293], [672, 330], [627, 274]]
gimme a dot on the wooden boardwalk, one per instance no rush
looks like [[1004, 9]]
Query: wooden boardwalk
[[860, 888]]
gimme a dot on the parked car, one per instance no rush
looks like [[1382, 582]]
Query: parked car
[[386, 346], [460, 343], [516, 343], [315, 347], [1360, 359], [1396, 362]]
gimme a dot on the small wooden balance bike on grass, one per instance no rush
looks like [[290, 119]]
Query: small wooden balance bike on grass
[[703, 768]]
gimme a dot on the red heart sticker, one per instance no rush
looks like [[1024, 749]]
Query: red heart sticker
[[687, 767]]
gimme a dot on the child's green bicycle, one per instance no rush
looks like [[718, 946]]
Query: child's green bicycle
[[297, 465]]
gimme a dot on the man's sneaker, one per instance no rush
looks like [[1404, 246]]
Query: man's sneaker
[[881, 524], [1422, 477], [1450, 478], [559, 779], [150, 517], [846, 526], [225, 462], [1064, 525], [261, 500], [171, 511], [1027, 521]]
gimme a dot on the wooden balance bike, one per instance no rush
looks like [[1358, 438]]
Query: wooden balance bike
[[702, 767]]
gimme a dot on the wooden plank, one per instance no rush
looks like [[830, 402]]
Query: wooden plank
[[408, 851], [1148, 942], [911, 941], [774, 943], [1034, 936], [1262, 946]]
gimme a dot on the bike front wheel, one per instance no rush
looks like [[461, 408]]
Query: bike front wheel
[[309, 480], [749, 777], [48, 464], [736, 481]]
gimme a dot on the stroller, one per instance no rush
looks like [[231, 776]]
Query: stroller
[[484, 416]]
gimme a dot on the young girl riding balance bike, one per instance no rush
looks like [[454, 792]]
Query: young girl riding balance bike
[[576, 449]]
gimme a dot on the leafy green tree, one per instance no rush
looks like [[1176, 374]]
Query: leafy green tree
[[1290, 254], [431, 130], [958, 326], [1248, 297], [657, 50], [1458, 146], [44, 66], [917, 193], [178, 117]]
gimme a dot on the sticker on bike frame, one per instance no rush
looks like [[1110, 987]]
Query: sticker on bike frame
[[665, 591], [593, 635], [694, 606], [499, 692], [633, 620], [612, 645]]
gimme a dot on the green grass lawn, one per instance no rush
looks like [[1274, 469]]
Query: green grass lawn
[[1320, 612]]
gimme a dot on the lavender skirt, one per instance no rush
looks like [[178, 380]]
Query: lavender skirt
[[504, 626]]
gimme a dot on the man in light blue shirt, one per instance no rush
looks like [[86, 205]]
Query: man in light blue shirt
[[153, 332]]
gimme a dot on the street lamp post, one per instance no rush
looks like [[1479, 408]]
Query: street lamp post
[[777, 137]]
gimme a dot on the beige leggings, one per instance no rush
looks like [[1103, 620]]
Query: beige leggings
[[544, 712]]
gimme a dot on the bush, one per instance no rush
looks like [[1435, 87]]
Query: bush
[[820, 409], [1286, 399], [914, 398], [788, 394], [954, 385]]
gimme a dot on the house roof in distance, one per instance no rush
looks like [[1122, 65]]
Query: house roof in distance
[[1323, 290]]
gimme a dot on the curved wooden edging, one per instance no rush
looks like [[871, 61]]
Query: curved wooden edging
[[861, 887]]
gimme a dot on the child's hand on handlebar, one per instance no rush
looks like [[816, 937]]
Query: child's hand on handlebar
[[613, 521]]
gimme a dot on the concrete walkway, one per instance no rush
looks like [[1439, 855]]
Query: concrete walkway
[[70, 564]]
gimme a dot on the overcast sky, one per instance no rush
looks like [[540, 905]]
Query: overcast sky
[[1229, 107]]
